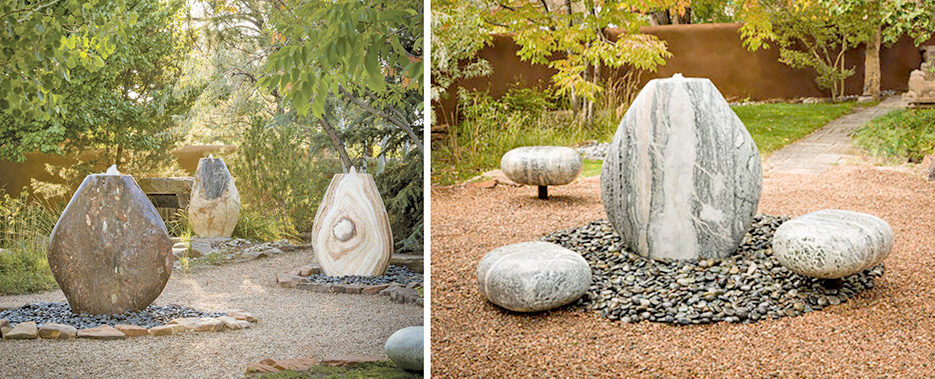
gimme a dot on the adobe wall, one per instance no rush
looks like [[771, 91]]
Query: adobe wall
[[714, 51]]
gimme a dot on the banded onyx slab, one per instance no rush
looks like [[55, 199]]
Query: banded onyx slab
[[351, 234]]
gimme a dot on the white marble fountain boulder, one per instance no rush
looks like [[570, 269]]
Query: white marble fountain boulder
[[533, 276], [832, 243], [541, 166], [682, 176]]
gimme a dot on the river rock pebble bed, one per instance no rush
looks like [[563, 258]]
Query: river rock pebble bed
[[60, 313], [748, 286], [394, 274]]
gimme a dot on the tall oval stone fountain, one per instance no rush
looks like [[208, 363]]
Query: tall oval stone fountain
[[682, 176], [109, 251], [215, 203], [351, 234]]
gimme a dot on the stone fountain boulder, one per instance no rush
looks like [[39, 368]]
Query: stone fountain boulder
[[215, 202], [832, 243], [351, 234], [109, 251], [682, 176]]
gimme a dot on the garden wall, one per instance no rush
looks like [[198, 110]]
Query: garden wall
[[714, 51], [14, 175]]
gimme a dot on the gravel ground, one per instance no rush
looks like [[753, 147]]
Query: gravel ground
[[883, 332], [292, 324]]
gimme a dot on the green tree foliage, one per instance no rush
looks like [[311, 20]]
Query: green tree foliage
[[572, 38], [354, 49], [808, 36], [366, 59], [125, 110], [458, 32], [815, 33], [41, 42]]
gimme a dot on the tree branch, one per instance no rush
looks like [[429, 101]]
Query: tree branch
[[338, 144], [399, 123]]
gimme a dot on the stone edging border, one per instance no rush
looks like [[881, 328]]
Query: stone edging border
[[297, 278], [235, 319]]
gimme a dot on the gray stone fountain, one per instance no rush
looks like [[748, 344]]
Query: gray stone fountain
[[682, 176]]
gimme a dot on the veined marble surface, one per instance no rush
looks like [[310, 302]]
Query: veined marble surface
[[541, 165], [832, 243], [351, 234], [682, 177]]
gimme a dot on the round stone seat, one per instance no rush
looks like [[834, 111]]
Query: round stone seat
[[832, 244], [533, 276], [541, 166]]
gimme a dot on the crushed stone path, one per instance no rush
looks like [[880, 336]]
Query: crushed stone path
[[292, 324], [828, 146]]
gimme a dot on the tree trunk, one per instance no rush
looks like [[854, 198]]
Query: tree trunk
[[872, 67], [337, 142]]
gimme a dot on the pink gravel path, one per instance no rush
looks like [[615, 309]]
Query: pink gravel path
[[886, 332]]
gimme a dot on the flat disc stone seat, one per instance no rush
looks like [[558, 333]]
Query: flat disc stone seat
[[541, 166], [533, 276], [109, 251], [832, 243], [682, 176]]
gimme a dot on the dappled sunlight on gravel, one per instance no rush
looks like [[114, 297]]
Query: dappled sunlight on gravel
[[882, 332]]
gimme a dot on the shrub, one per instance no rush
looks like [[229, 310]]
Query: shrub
[[281, 179], [25, 227], [901, 135]]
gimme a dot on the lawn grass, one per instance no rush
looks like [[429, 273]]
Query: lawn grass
[[374, 370], [775, 125], [591, 168]]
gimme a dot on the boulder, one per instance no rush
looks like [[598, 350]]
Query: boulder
[[832, 243], [52, 331], [351, 234], [682, 177], [405, 348], [22, 331], [533, 276], [541, 165], [103, 332], [110, 251], [215, 202]]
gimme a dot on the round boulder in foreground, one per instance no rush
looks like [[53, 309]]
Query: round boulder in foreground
[[533, 276], [541, 165], [832, 244], [405, 348]]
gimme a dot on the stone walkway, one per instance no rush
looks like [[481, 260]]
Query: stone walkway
[[828, 146]]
